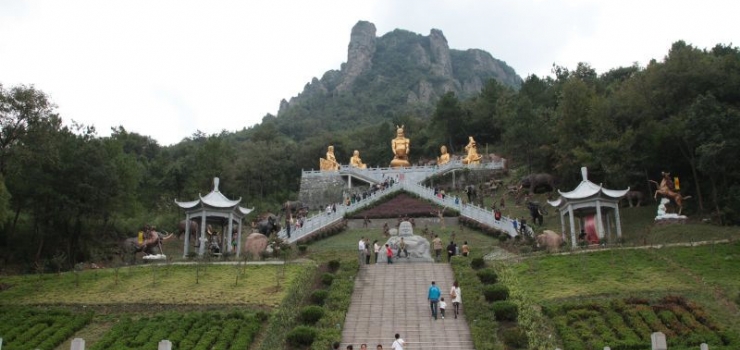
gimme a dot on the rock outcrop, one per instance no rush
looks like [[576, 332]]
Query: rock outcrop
[[360, 54]]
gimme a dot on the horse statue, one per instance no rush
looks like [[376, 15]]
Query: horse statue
[[666, 188]]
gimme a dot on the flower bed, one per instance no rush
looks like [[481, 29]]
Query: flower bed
[[403, 204], [627, 324], [39, 328]]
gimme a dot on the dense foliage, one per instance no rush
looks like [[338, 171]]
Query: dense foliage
[[68, 194], [26, 328]]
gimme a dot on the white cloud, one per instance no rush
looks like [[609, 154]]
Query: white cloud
[[169, 68]]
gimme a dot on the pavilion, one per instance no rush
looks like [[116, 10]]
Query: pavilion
[[216, 208], [589, 201]]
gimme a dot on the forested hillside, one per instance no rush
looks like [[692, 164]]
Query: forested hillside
[[69, 194]]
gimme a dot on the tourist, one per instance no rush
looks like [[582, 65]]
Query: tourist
[[379, 347], [376, 248], [442, 307], [361, 248], [328, 209], [456, 296], [451, 249], [465, 249], [433, 297], [398, 343], [389, 253], [363, 346], [349, 347], [402, 248], [335, 346], [367, 251], [437, 246]]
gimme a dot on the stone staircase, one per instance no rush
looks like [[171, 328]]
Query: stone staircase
[[390, 299]]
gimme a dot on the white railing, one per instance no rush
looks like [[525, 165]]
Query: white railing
[[405, 178]]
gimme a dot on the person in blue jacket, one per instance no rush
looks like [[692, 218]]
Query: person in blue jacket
[[433, 297]]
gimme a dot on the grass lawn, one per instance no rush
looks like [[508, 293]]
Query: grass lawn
[[155, 284]]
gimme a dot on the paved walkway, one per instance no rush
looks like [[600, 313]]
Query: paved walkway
[[390, 299]]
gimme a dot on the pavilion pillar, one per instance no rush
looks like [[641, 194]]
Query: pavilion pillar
[[618, 221], [349, 181], [231, 234], [187, 236], [609, 227], [239, 239], [202, 238], [572, 226]]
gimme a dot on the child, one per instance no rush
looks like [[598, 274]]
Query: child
[[442, 307]]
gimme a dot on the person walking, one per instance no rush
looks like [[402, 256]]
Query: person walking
[[398, 343], [451, 248], [367, 251], [456, 296], [465, 249], [376, 249], [361, 249], [437, 246], [402, 248], [389, 253], [433, 297]]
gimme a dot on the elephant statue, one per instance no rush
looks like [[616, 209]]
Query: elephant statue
[[131, 246], [536, 212], [194, 231], [550, 240], [255, 244], [635, 196], [269, 224], [295, 208], [534, 181], [472, 193]]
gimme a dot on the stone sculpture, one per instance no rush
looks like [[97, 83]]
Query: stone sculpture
[[330, 163], [401, 147], [356, 161], [550, 240], [255, 244], [416, 246], [473, 158]]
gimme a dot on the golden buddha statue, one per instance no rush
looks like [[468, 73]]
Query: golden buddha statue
[[356, 162], [401, 147], [444, 158], [330, 163], [473, 158]]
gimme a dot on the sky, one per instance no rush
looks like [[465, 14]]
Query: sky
[[168, 69]]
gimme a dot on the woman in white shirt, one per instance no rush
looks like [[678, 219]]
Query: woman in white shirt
[[456, 296]]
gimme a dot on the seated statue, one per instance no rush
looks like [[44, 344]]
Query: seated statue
[[401, 147], [330, 163], [473, 158], [356, 162], [444, 158]]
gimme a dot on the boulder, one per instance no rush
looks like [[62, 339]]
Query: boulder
[[255, 244], [550, 240]]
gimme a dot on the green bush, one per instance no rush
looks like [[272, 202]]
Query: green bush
[[302, 248], [327, 279], [515, 338], [496, 292], [505, 310], [301, 336], [477, 263], [334, 265], [319, 296], [487, 276], [311, 314]]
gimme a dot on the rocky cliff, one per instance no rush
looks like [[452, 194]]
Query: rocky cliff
[[399, 71]]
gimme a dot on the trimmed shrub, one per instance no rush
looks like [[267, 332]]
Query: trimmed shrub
[[327, 279], [487, 276], [319, 296], [311, 314], [496, 292], [477, 263], [515, 338], [301, 336], [334, 265], [505, 310]]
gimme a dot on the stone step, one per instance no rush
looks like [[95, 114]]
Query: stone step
[[390, 299]]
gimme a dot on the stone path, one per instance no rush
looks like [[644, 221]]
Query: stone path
[[390, 299]]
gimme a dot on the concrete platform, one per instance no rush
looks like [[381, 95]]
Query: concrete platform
[[390, 299]]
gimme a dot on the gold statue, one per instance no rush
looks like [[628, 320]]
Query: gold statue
[[330, 163], [473, 158], [444, 158], [401, 146], [356, 162]]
